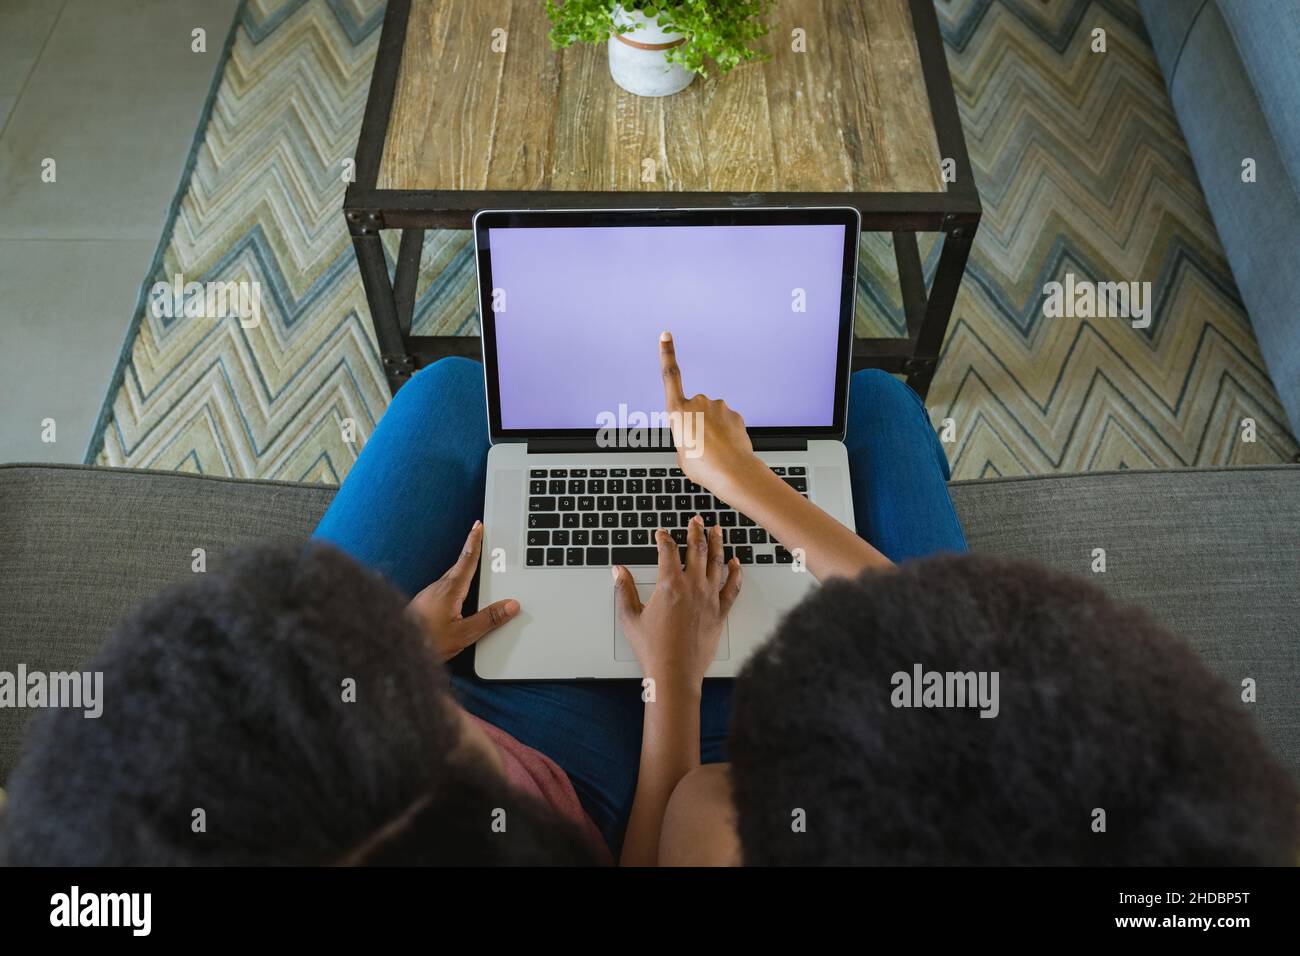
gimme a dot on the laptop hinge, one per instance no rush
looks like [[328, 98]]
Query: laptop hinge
[[778, 443], [553, 446]]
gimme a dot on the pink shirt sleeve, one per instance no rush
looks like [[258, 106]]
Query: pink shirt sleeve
[[537, 775]]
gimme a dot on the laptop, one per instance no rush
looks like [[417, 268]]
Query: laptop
[[582, 471]]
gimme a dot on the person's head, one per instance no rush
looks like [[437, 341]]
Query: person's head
[[1107, 740], [281, 710]]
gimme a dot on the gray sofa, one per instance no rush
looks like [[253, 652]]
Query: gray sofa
[[1213, 553], [1233, 72]]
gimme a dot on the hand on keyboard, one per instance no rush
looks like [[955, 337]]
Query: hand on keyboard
[[436, 609], [675, 634]]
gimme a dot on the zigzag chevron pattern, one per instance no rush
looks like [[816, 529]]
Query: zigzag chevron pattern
[[263, 204], [1082, 168], [1079, 161]]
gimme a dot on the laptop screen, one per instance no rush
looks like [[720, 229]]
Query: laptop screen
[[756, 311]]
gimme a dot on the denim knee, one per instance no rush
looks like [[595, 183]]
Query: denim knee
[[882, 394], [427, 389]]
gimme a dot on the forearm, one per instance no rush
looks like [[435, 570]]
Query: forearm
[[670, 749], [829, 548]]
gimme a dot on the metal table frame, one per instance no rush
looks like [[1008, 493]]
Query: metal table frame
[[370, 210]]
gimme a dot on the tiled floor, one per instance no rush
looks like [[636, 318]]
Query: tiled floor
[[112, 92]]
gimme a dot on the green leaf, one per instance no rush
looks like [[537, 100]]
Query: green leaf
[[717, 30]]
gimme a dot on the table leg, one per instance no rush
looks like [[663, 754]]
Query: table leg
[[384, 316], [406, 276], [938, 309]]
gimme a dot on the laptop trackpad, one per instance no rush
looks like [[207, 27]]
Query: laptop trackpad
[[623, 650]]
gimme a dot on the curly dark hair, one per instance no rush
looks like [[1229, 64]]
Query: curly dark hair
[[226, 694], [1100, 709]]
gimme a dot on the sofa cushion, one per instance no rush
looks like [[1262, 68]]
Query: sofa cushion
[[80, 547], [1221, 118], [1167, 23], [1212, 553], [1267, 35]]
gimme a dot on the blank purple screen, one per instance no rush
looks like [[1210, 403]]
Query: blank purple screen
[[584, 306]]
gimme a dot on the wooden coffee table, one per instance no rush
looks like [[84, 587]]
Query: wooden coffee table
[[864, 117]]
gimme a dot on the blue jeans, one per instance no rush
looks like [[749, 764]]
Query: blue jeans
[[417, 486]]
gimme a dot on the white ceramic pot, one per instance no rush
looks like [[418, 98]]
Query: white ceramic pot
[[636, 58]]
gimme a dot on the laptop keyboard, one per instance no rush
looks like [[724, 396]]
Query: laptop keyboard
[[597, 517]]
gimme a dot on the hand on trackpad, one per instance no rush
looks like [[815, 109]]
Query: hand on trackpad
[[623, 650]]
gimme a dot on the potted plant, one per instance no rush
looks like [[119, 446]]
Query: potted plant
[[657, 46]]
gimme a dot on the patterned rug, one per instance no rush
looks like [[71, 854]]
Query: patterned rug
[[1080, 164]]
